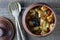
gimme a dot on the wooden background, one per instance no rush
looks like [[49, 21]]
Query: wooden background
[[55, 35]]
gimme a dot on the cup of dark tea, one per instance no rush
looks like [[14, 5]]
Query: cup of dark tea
[[6, 29], [39, 19]]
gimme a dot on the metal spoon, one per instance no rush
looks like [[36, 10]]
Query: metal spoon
[[15, 9]]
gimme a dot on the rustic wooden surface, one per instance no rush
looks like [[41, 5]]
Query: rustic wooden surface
[[55, 35]]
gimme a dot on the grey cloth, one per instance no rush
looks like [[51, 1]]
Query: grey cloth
[[55, 35]]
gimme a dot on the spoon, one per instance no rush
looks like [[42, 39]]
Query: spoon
[[15, 9]]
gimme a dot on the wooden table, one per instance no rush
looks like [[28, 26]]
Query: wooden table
[[55, 35]]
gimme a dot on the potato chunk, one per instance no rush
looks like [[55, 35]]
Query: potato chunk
[[44, 8], [51, 26]]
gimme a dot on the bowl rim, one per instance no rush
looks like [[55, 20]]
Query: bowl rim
[[24, 16], [11, 24]]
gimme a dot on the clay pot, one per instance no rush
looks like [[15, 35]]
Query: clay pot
[[24, 18], [6, 29]]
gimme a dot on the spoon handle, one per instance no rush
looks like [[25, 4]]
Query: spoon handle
[[17, 31], [22, 35]]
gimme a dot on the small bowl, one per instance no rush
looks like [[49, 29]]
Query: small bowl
[[25, 14], [6, 29]]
